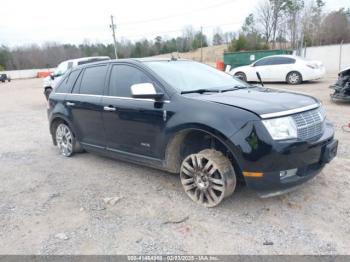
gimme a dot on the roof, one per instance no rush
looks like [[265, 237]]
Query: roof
[[288, 56], [133, 60], [87, 58], [158, 59]]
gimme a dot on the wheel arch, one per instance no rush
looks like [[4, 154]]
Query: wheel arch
[[241, 72], [54, 121], [180, 138]]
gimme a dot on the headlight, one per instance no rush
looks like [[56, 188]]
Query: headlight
[[281, 128]]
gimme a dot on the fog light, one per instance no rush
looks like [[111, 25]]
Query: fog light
[[288, 173]]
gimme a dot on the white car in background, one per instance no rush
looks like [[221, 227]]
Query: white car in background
[[281, 68], [50, 81]]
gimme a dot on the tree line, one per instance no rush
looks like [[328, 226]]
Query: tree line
[[292, 24], [48, 55], [273, 24]]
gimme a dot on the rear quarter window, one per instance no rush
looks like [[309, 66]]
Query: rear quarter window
[[68, 82]]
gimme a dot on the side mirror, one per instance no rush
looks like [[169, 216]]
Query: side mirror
[[145, 91], [52, 76]]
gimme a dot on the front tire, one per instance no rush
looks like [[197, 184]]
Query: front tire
[[207, 177], [242, 76], [294, 78]]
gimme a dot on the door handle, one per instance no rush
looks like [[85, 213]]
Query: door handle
[[109, 108], [70, 104]]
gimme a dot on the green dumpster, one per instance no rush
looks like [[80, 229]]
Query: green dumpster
[[235, 59]]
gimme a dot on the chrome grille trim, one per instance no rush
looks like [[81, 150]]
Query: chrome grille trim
[[310, 123], [289, 112]]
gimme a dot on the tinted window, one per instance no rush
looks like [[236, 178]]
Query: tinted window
[[275, 61], [62, 86], [264, 61], [61, 69], [123, 77], [92, 82], [70, 65], [283, 60], [67, 83]]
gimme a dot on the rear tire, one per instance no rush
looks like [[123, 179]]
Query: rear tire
[[208, 177], [65, 140], [294, 78], [242, 76]]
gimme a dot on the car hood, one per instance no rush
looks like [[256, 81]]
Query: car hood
[[262, 101], [344, 70]]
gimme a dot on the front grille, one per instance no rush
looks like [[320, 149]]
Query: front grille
[[310, 123]]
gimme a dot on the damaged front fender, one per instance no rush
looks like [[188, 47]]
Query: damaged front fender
[[342, 86]]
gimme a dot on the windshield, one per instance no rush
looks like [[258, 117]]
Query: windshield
[[61, 69], [189, 75]]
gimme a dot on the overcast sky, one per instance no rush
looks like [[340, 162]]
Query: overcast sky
[[68, 21]]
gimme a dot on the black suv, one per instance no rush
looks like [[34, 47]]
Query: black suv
[[189, 118], [4, 77]]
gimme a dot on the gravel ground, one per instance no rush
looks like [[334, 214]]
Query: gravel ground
[[55, 205]]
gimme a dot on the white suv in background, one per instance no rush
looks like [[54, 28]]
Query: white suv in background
[[281, 68], [63, 67]]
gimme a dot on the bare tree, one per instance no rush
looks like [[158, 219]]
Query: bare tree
[[264, 16], [228, 37], [218, 38], [188, 34], [335, 28], [292, 16], [311, 20], [277, 7]]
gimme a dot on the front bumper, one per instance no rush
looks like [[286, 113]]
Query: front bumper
[[303, 161]]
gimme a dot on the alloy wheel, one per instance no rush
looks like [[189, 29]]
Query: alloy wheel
[[294, 78], [206, 178], [64, 139], [241, 76]]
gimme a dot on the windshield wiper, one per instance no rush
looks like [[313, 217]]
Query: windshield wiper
[[234, 88], [200, 91]]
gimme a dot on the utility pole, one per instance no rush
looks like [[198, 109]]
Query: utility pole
[[340, 54], [113, 27], [201, 43]]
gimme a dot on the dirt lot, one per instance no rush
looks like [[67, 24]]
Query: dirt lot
[[55, 205]]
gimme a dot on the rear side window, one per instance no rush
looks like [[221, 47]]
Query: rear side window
[[123, 77], [283, 60], [275, 61], [68, 82], [264, 62], [92, 82]]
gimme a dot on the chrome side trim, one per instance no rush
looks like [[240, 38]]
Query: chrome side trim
[[289, 112], [92, 145], [118, 97]]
